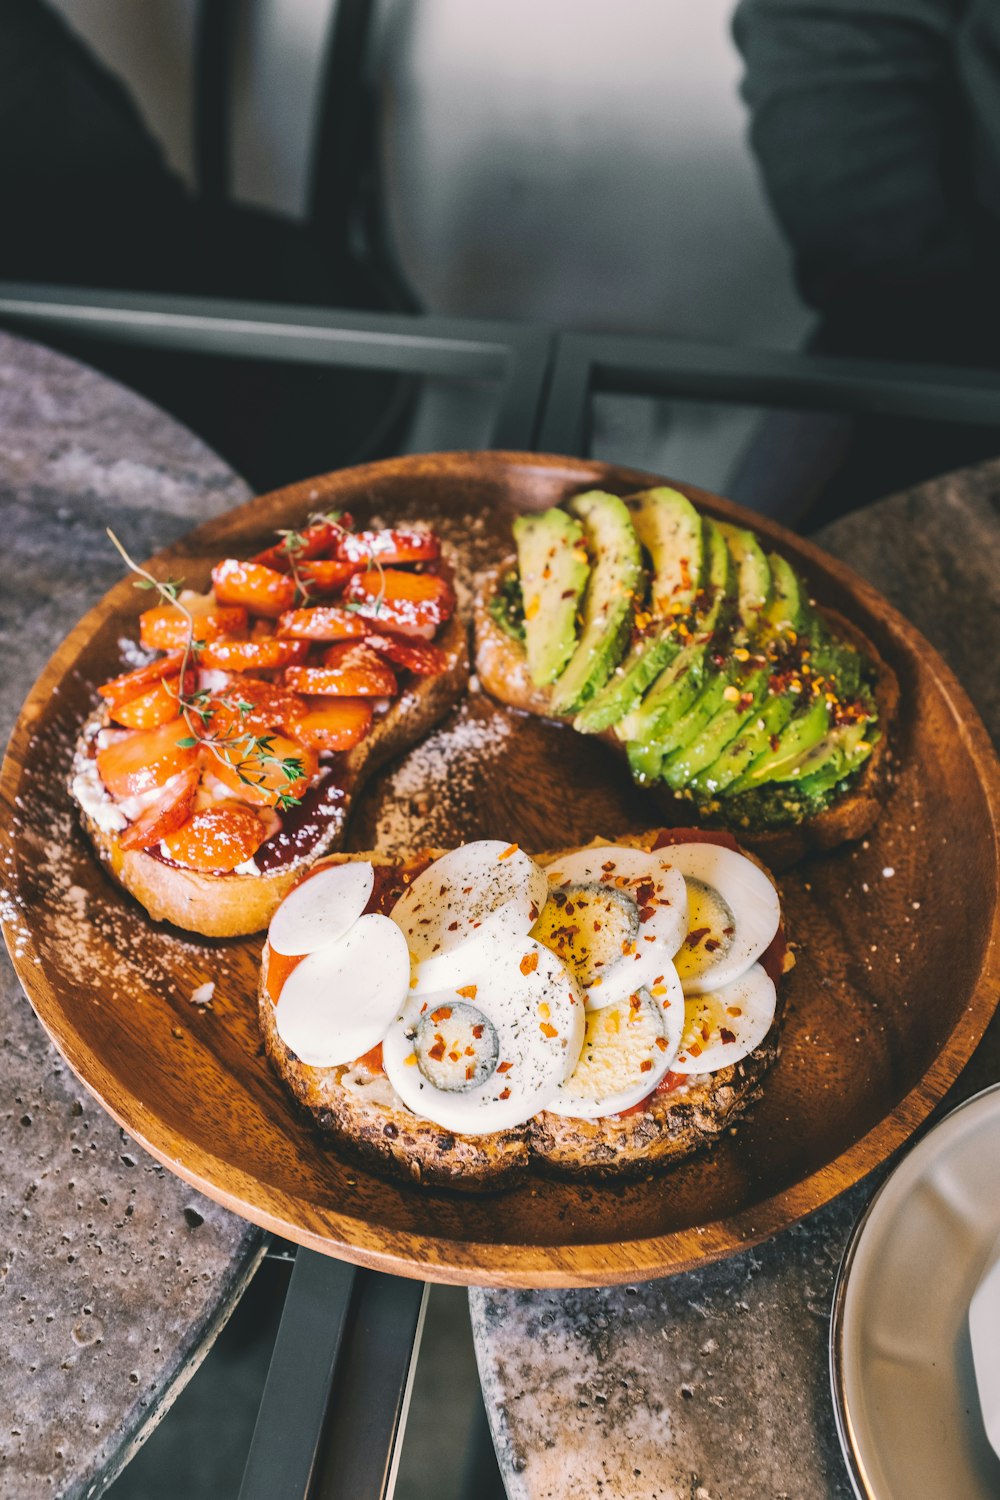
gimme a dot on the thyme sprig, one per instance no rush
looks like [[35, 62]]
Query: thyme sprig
[[295, 541], [254, 754]]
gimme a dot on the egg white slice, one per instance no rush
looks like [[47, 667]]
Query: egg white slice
[[532, 1020], [337, 1003], [322, 908], [479, 888], [733, 914], [725, 1025], [627, 1048], [660, 896]]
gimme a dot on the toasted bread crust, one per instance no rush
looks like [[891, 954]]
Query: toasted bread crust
[[234, 905], [503, 671], [361, 1113]]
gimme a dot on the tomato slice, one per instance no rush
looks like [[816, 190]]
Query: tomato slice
[[411, 603], [332, 723], [398, 545], [262, 590], [263, 655], [216, 838], [165, 815], [324, 623], [257, 777], [154, 705], [166, 629], [349, 670], [145, 759], [119, 689], [419, 657]]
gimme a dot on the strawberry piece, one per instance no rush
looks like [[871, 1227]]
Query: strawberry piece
[[326, 577], [350, 670], [129, 684], [263, 655], [152, 706], [332, 723], [315, 541], [251, 707], [166, 629], [216, 838], [324, 623], [165, 815], [262, 590], [419, 657], [399, 545], [145, 758], [411, 603], [255, 774]]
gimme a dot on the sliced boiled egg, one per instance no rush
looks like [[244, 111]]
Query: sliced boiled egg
[[322, 908], [726, 1025], [485, 887], [733, 914], [489, 1052], [336, 1004], [615, 916], [627, 1048]]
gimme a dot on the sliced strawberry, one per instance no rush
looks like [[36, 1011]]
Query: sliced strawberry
[[166, 629], [349, 670], [251, 707], [165, 815], [332, 723], [411, 603], [255, 773], [152, 706], [216, 838], [324, 623], [399, 545], [262, 590], [145, 759], [419, 657], [120, 689], [316, 541], [326, 576], [265, 655]]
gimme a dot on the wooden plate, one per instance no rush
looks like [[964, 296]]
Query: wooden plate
[[895, 983]]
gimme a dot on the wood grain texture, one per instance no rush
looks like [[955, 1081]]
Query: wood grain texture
[[896, 979]]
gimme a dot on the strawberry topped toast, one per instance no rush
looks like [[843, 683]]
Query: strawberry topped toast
[[220, 768]]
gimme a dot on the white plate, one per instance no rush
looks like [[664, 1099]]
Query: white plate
[[900, 1355]]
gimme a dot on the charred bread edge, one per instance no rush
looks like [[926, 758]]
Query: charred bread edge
[[393, 1140], [502, 669], [232, 905]]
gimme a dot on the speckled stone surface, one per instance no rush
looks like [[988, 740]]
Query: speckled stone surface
[[714, 1385], [114, 1275]]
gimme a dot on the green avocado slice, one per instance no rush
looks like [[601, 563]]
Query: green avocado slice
[[754, 581], [752, 739], [614, 584], [553, 567], [671, 532], [801, 734]]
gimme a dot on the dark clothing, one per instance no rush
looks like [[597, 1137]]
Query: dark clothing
[[876, 124]]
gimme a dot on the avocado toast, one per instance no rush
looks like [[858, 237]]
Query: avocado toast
[[736, 699]]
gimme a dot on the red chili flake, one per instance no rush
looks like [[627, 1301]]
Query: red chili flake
[[470, 1051], [607, 868], [477, 1032], [467, 992], [570, 908], [645, 912], [504, 1067], [695, 936], [437, 1051], [533, 911], [442, 890], [467, 890], [728, 931], [694, 1050], [510, 849], [470, 1073], [635, 1002], [547, 1029], [734, 1010], [504, 1094], [644, 892], [454, 1056], [529, 963], [443, 1013], [647, 1066], [423, 1007], [568, 594], [726, 1034], [453, 926], [711, 944], [661, 1042], [775, 742]]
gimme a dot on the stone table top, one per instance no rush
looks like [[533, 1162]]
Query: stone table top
[[714, 1384], [114, 1275]]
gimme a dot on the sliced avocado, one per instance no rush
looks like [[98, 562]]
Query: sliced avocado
[[751, 740], [754, 584], [675, 736], [671, 531], [783, 761], [671, 695], [553, 566], [789, 605], [718, 731], [609, 602]]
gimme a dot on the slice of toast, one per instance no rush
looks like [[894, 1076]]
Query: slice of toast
[[357, 1107], [502, 668], [233, 905]]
